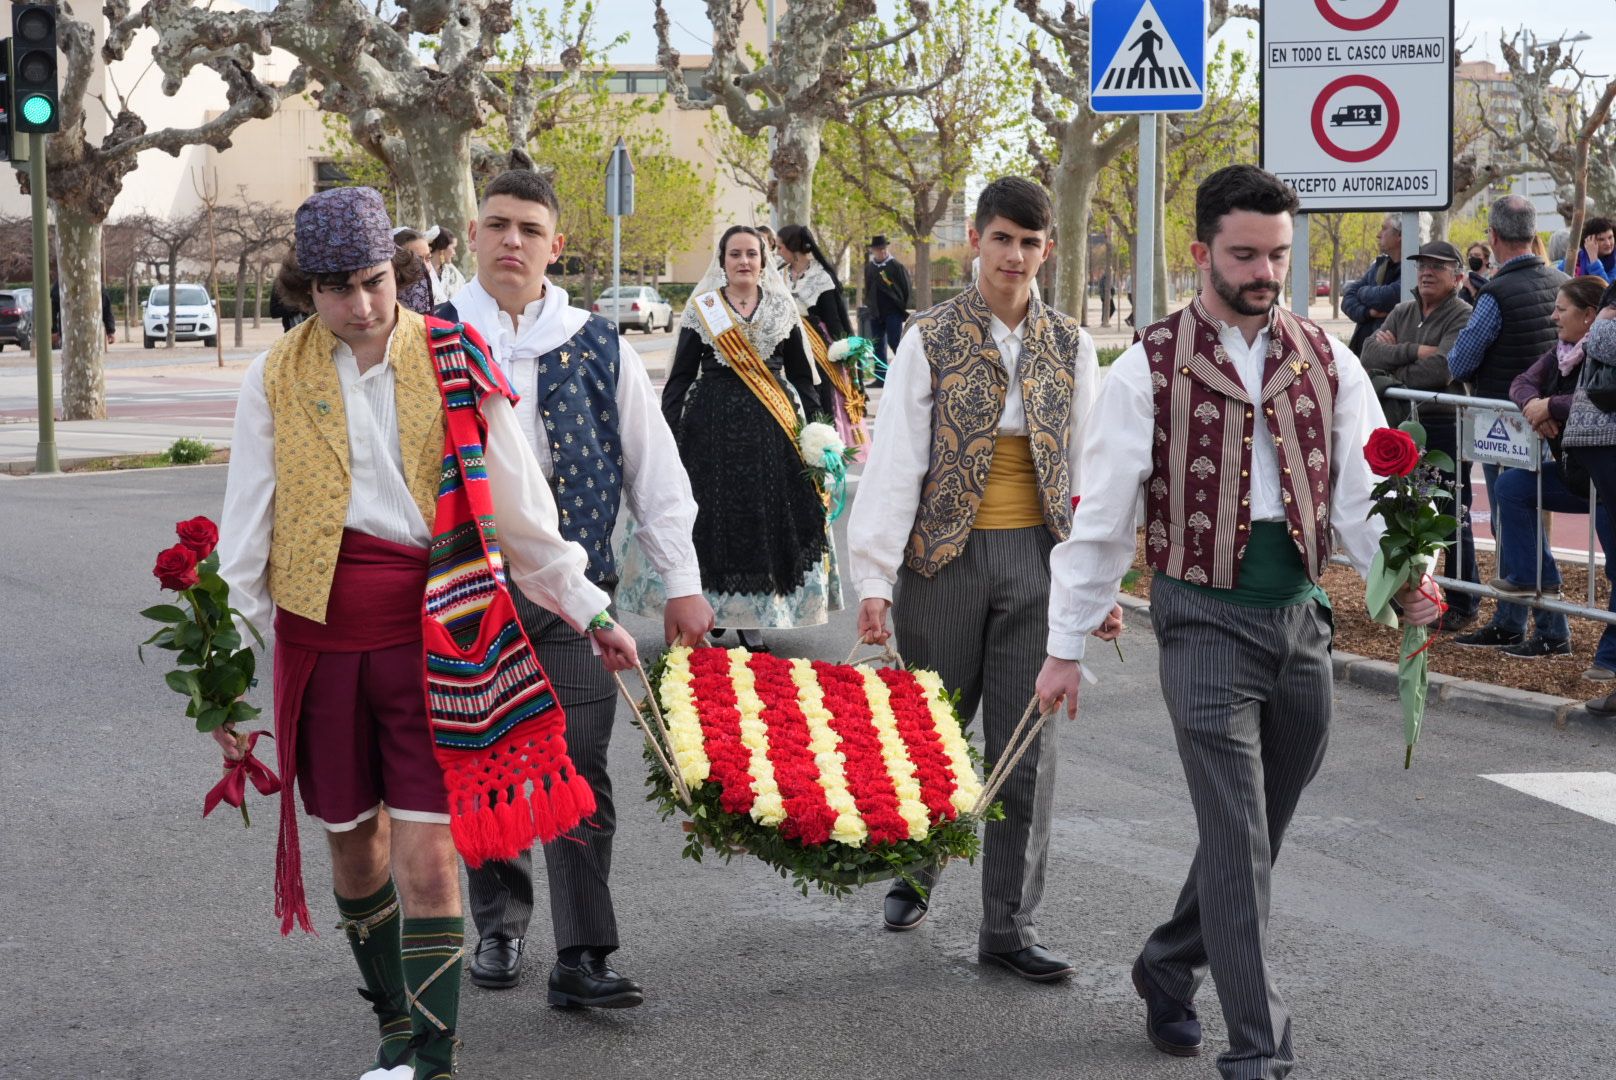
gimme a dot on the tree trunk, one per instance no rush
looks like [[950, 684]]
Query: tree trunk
[[796, 155], [241, 299], [84, 388], [922, 274], [173, 296], [258, 294], [131, 301], [440, 158], [1075, 180]]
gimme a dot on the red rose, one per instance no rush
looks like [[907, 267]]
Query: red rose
[[1391, 452], [176, 568], [199, 534]]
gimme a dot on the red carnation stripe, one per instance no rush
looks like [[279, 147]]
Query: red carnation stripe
[[809, 817], [867, 779], [932, 769], [721, 727]]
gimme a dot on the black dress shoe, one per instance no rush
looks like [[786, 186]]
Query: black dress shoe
[[903, 908], [592, 985], [497, 963], [1171, 1025], [1034, 963]]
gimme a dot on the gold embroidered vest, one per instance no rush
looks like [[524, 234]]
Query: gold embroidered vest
[[969, 384], [312, 482]]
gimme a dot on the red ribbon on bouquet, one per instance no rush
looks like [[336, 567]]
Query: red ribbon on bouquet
[[232, 788]]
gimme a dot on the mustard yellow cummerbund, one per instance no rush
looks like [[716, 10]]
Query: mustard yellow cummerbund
[[1011, 498]]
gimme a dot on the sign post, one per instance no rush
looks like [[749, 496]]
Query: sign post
[[1147, 57], [619, 202]]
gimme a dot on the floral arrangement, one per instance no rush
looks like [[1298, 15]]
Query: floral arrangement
[[1415, 534], [835, 775], [858, 351], [214, 667], [827, 458]]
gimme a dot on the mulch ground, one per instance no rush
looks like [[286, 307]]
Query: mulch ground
[[1560, 676]]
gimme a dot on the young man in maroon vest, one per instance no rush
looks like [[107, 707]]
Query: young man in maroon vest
[[1242, 427], [967, 490]]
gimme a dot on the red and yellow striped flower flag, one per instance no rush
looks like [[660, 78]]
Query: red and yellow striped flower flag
[[819, 752]]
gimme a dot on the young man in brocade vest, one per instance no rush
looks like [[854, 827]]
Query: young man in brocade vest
[[380, 497], [590, 413], [968, 488], [1242, 427]]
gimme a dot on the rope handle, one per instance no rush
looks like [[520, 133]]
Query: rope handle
[[1014, 749], [658, 736], [887, 655]]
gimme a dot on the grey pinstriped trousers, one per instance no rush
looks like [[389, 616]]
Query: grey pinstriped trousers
[[1249, 693], [981, 624], [577, 866]]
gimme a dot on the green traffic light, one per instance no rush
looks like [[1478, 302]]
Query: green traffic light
[[37, 109]]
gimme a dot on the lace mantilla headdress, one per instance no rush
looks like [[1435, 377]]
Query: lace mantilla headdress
[[772, 323]]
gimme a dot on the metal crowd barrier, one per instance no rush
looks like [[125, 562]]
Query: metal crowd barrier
[[1526, 450]]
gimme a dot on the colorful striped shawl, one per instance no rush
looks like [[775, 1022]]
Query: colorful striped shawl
[[497, 727]]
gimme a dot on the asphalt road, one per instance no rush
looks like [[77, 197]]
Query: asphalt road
[[1426, 924]]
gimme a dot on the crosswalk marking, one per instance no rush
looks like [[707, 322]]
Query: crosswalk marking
[[1590, 793]]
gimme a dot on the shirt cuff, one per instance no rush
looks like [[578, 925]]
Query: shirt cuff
[[684, 584], [1066, 646], [581, 604], [875, 589]]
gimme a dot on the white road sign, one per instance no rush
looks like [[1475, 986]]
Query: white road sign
[[1357, 102]]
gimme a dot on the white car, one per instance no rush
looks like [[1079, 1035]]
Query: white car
[[194, 316], [637, 306]]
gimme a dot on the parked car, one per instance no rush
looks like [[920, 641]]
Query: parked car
[[639, 306], [1321, 287], [194, 316], [17, 318]]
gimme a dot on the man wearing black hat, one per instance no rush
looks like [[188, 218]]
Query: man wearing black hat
[[888, 293], [1410, 351]]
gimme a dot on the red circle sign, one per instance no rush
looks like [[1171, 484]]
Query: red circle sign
[[1347, 22], [1393, 119]]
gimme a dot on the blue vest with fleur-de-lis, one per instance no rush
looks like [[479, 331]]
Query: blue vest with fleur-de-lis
[[577, 401]]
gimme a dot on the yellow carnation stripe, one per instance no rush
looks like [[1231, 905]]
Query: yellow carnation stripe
[[896, 755], [967, 788], [768, 807], [684, 722], [825, 745]]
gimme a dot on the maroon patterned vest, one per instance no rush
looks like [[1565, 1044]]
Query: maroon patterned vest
[[1198, 502]]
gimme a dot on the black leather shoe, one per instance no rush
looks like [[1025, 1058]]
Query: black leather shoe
[[1034, 963], [592, 985], [1171, 1025], [497, 964], [903, 908]]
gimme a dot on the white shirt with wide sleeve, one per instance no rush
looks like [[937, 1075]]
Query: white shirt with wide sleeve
[[550, 571], [655, 485], [1087, 568], [889, 489]]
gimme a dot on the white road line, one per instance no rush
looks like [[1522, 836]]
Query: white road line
[[1590, 793]]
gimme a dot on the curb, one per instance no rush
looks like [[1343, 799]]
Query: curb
[[1467, 694]]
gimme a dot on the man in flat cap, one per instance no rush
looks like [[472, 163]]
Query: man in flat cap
[[381, 496]]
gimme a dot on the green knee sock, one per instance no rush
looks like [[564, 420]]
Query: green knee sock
[[432, 951], [373, 926]]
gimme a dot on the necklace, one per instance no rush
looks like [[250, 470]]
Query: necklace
[[752, 309]]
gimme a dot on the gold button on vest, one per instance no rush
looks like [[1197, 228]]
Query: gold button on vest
[[312, 486]]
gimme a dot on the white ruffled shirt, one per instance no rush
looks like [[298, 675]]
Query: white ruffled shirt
[[889, 489], [655, 486], [546, 568]]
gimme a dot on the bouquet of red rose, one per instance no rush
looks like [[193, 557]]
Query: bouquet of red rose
[[214, 667], [1415, 534]]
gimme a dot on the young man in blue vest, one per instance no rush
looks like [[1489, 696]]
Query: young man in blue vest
[[596, 423], [1242, 428]]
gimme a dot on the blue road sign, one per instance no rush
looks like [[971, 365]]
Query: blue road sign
[[1147, 56]]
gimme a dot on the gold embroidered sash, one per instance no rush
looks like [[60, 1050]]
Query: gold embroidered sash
[[839, 378], [719, 318]]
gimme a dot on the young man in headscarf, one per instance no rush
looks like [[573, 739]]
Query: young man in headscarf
[[593, 418], [968, 488], [1241, 427], [380, 497]]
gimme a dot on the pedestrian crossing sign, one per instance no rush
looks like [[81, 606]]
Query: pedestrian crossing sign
[[1147, 56]]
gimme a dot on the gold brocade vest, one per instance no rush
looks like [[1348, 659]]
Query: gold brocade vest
[[969, 383], [312, 482]]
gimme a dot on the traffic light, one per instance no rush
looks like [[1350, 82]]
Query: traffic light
[[33, 92]]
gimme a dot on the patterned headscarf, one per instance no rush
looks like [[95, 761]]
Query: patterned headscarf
[[343, 230]]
